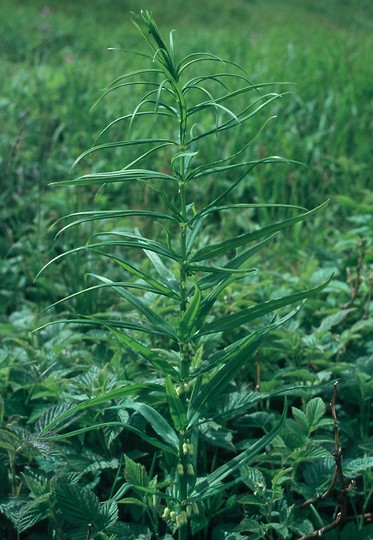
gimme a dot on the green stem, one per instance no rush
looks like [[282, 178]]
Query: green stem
[[184, 351]]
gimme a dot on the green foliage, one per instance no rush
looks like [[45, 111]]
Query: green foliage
[[160, 409]]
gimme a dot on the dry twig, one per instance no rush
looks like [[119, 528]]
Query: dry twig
[[338, 475]]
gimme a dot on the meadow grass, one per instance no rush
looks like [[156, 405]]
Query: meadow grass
[[55, 59]]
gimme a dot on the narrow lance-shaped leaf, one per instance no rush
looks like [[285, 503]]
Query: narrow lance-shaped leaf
[[156, 320], [157, 422], [159, 287], [224, 376], [186, 326], [177, 409], [153, 441], [130, 241], [234, 320], [235, 263], [164, 142], [85, 217], [164, 273], [233, 358], [216, 250], [147, 491], [118, 393], [212, 482], [155, 359], [111, 177]]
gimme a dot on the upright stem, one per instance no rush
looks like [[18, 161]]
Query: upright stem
[[184, 348]]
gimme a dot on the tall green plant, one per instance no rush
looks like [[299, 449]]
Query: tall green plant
[[173, 280]]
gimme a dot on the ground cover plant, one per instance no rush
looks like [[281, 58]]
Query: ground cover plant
[[111, 474]]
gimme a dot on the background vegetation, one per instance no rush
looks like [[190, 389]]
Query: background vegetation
[[54, 65]]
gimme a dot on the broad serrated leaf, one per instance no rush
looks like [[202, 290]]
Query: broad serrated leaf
[[217, 435], [79, 505], [355, 467], [315, 410], [56, 416], [300, 417], [238, 402], [24, 513], [109, 514], [135, 473], [9, 439], [253, 478]]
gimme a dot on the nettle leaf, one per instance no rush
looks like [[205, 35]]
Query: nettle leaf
[[109, 514], [135, 473], [79, 505], [56, 416], [315, 451], [237, 402], [354, 467], [315, 410], [300, 417], [24, 513], [9, 439], [253, 478], [217, 435]]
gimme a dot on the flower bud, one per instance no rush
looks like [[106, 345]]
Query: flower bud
[[173, 516], [190, 469], [182, 519], [166, 513], [180, 469]]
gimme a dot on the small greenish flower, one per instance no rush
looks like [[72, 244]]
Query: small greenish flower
[[166, 513], [190, 470], [181, 519]]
